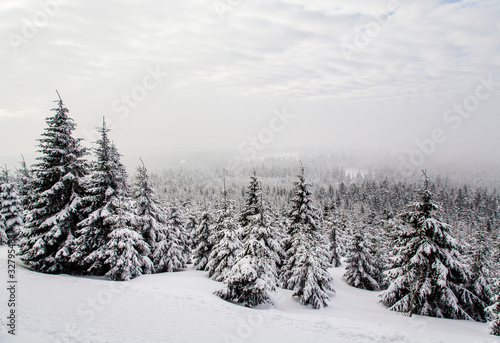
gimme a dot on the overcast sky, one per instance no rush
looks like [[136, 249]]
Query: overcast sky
[[202, 75]]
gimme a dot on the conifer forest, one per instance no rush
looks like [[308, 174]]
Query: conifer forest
[[429, 243]]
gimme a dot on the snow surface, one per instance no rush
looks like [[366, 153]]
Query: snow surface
[[181, 307]]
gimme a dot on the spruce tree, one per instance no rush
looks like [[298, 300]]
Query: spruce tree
[[361, 271], [107, 206], [47, 240], [376, 242], [202, 246], [253, 278], [3, 235], [305, 270], [332, 230], [309, 277], [226, 241], [10, 209], [125, 254], [428, 275], [24, 182], [478, 282], [177, 232], [170, 253], [189, 229], [151, 216], [494, 311], [252, 202]]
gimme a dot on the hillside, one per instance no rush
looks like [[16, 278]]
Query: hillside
[[180, 307]]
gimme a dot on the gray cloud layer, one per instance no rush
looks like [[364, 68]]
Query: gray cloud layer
[[366, 74]]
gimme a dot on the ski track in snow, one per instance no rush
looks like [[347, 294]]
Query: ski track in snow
[[181, 307]]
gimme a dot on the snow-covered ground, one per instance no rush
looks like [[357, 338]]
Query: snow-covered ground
[[181, 307]]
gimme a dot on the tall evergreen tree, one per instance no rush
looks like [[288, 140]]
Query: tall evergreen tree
[[106, 201], [202, 246], [252, 202], [10, 209], [361, 271], [47, 239], [152, 219], [160, 230], [226, 241], [429, 276], [305, 270], [177, 232], [253, 278]]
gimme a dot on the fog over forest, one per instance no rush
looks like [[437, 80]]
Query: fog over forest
[[250, 171]]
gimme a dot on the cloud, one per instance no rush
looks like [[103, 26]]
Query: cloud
[[426, 53]]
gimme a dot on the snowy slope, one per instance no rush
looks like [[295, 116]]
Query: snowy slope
[[180, 307]]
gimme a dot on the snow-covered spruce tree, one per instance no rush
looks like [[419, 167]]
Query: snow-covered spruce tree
[[361, 272], [3, 235], [332, 232], [171, 254], [309, 277], [108, 206], [256, 212], [428, 275], [47, 239], [227, 245], [125, 254], [189, 229], [252, 202], [494, 310], [255, 276], [24, 179], [10, 209], [377, 244], [151, 217], [202, 247], [307, 259], [478, 282], [176, 228]]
